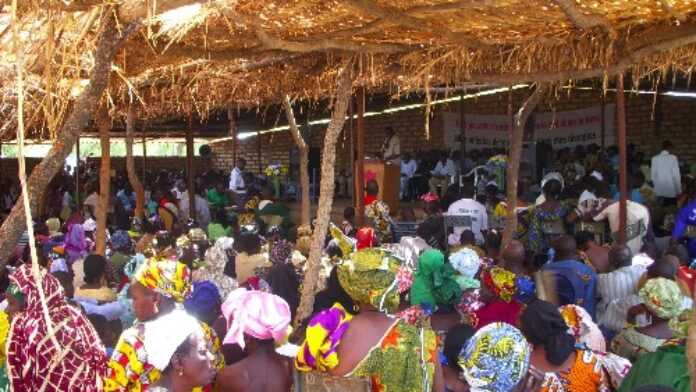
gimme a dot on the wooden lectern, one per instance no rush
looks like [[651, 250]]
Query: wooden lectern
[[388, 177]]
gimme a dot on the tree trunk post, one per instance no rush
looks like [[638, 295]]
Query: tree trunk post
[[338, 117], [78, 201], [130, 165], [189, 170], [109, 41], [103, 124], [621, 139], [359, 175], [144, 160], [513, 167], [304, 161]]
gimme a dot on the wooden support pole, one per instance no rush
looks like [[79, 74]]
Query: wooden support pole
[[108, 42], [513, 168], [144, 160], [233, 133], [303, 150], [326, 195], [258, 151], [189, 170], [130, 165], [623, 164], [462, 127], [602, 119], [103, 123], [78, 202], [359, 176]]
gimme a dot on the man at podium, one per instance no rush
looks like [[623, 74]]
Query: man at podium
[[391, 148]]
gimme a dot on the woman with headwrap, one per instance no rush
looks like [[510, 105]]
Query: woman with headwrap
[[662, 300], [204, 302], [583, 328], [502, 293], [257, 322], [496, 359], [434, 284], [177, 348], [122, 250], [567, 367], [54, 351], [159, 287], [76, 244], [394, 355], [547, 219]]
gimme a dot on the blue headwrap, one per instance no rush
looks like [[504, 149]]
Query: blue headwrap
[[120, 240], [204, 299]]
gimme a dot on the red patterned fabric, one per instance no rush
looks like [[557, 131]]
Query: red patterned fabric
[[34, 362]]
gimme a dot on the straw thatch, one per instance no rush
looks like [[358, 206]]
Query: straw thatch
[[196, 56]]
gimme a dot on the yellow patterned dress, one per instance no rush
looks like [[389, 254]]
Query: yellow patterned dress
[[403, 361], [128, 366]]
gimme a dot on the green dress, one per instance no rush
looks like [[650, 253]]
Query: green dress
[[666, 366], [217, 199], [401, 361]]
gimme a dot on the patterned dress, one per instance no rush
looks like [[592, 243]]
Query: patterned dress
[[592, 371], [403, 361], [378, 212]]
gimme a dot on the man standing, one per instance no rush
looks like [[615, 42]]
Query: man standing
[[408, 169], [237, 186], [391, 148], [469, 207], [665, 175]]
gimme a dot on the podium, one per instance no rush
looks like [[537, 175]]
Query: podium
[[388, 177]]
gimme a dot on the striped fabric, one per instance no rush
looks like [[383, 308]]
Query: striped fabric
[[617, 291]]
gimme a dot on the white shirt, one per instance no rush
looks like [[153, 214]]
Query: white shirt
[[237, 181], [448, 169], [392, 147], [617, 290], [635, 212], [202, 211], [479, 219], [184, 206], [408, 168], [665, 175]]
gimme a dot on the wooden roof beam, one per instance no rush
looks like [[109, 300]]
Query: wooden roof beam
[[581, 19], [327, 44]]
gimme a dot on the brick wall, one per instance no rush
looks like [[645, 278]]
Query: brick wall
[[678, 124]]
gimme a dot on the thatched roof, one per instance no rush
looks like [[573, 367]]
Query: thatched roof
[[197, 56]]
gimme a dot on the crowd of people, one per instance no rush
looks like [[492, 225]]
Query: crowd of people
[[185, 300]]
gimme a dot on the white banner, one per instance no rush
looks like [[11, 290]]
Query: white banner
[[561, 129]]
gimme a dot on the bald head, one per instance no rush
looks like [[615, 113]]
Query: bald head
[[566, 248], [513, 256], [620, 256]]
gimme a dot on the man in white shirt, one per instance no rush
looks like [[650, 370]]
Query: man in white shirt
[[665, 174], [391, 148], [469, 207], [202, 208], [408, 169], [237, 185], [617, 289], [442, 175], [637, 216]]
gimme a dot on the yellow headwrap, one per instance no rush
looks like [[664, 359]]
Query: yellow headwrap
[[370, 277], [167, 277]]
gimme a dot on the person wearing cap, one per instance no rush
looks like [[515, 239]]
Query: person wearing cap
[[257, 322]]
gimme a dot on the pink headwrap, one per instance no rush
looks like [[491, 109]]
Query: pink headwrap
[[430, 197], [257, 314]]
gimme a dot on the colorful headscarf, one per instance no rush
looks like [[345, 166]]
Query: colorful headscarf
[[323, 334], [366, 238], [495, 359], [507, 285], [78, 362], [213, 268], [662, 297], [167, 277], [281, 252], [434, 282], [204, 299], [261, 315], [430, 197], [581, 326], [121, 241], [369, 276], [467, 263], [345, 243]]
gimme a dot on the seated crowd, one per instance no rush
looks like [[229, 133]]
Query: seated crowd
[[210, 299]]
